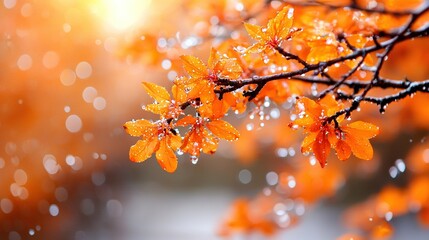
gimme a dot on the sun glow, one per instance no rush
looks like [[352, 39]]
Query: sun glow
[[124, 14]]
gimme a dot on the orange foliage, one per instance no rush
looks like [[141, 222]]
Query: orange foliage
[[329, 59], [247, 220], [323, 134]]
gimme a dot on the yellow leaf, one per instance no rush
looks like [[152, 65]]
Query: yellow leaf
[[194, 66], [223, 130], [166, 157], [143, 149], [156, 92]]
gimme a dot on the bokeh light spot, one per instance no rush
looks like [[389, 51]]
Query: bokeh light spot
[[73, 123]]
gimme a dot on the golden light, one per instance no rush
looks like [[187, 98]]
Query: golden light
[[123, 14]]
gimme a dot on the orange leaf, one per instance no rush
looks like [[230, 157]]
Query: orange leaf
[[321, 52], [194, 66], [192, 143], [188, 120], [361, 147], [307, 143], [137, 128], [321, 148], [281, 24], [214, 58], [304, 121], [210, 142], [343, 150], [230, 69], [160, 108], [156, 92], [362, 129], [179, 93], [203, 90], [143, 149], [330, 105], [357, 40], [220, 108], [309, 107], [174, 141], [254, 31], [223, 130], [166, 157]]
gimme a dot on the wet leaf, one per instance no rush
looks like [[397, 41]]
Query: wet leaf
[[137, 128], [321, 148], [179, 93], [362, 129], [174, 141], [192, 142], [210, 143], [254, 31], [223, 130], [187, 120], [343, 150], [279, 27], [194, 66], [143, 149], [320, 52], [361, 147], [166, 157], [156, 92]]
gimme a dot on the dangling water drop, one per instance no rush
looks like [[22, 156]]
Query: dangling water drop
[[179, 152], [194, 159]]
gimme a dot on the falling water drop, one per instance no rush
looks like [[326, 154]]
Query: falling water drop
[[393, 172], [399, 163]]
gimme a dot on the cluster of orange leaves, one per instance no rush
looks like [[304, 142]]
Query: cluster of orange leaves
[[311, 33], [205, 128], [206, 125], [323, 134]]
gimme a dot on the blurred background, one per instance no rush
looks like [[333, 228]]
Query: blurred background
[[71, 73]]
